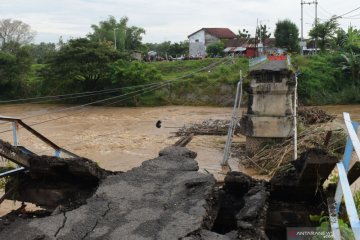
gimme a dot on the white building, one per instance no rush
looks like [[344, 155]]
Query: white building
[[199, 40]]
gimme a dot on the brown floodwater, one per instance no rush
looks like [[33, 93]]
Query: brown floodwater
[[338, 110], [119, 139]]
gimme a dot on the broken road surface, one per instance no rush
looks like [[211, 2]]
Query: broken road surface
[[165, 198]]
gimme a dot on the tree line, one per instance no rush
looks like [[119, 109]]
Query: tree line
[[98, 61], [102, 59]]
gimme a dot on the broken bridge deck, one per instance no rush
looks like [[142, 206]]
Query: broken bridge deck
[[164, 198]]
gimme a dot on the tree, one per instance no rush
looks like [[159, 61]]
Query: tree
[[40, 52], [243, 33], [339, 40], [127, 38], [262, 33], [180, 48], [352, 40], [80, 65], [15, 31], [215, 49], [325, 33], [287, 35], [14, 70], [169, 49], [126, 73], [351, 64]]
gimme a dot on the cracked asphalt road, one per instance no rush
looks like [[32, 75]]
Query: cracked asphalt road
[[165, 198]]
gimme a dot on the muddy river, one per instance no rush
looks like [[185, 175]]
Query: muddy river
[[119, 139]]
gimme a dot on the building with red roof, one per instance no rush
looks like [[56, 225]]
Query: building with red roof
[[199, 40]]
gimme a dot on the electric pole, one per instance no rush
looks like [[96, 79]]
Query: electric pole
[[316, 22], [302, 21], [302, 27], [256, 43]]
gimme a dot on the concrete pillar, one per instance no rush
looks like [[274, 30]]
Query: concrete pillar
[[269, 118]]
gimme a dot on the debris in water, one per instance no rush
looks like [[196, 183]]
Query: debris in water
[[207, 127], [313, 115]]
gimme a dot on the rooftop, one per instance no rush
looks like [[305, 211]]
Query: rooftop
[[222, 33]]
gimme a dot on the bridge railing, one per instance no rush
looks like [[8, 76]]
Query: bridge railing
[[256, 60], [343, 189], [16, 123]]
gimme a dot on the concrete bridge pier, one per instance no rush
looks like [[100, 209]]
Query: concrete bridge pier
[[269, 118]]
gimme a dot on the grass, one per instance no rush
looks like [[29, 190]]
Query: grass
[[202, 88], [174, 69]]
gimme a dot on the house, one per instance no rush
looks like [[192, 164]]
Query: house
[[199, 40], [249, 47]]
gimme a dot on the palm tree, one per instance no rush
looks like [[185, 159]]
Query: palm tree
[[325, 32], [352, 38]]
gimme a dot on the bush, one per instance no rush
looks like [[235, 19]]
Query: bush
[[215, 49], [322, 81]]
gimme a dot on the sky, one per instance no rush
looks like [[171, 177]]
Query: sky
[[168, 20]]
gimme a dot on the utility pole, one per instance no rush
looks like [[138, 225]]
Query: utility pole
[[302, 21], [316, 22], [256, 43], [302, 27]]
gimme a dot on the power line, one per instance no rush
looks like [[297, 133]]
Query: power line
[[149, 89], [75, 108], [73, 95], [158, 85], [146, 85], [104, 135], [353, 16], [326, 11], [348, 12]]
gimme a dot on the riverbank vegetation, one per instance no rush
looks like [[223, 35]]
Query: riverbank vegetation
[[97, 63], [333, 75]]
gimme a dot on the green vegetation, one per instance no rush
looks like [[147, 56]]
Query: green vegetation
[[263, 33], [103, 60], [174, 69], [324, 32], [324, 221], [215, 49], [287, 35], [214, 87], [331, 77], [168, 49], [117, 33], [15, 65]]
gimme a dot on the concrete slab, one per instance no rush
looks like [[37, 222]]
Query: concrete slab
[[271, 66], [165, 198]]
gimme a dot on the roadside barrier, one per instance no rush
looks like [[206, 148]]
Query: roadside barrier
[[343, 189]]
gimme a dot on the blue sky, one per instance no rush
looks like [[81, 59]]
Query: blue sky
[[166, 20]]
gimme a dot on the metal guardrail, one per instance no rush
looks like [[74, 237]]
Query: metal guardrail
[[257, 60], [343, 188], [16, 123], [234, 121]]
